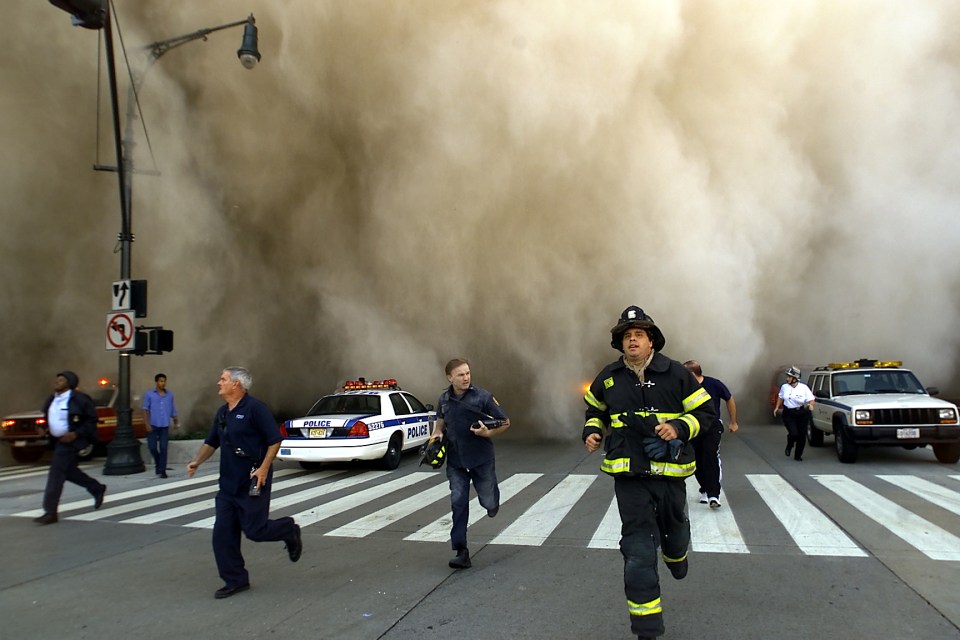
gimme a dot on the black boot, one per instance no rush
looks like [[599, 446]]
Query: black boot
[[462, 561]]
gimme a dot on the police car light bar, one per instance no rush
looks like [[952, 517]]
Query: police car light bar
[[361, 384], [865, 362]]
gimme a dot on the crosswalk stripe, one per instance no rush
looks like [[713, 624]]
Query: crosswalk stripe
[[439, 529], [537, 523], [712, 530], [926, 537], [380, 519], [316, 514], [607, 535], [934, 493], [208, 503], [811, 530]]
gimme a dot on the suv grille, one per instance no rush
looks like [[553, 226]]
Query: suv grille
[[905, 416]]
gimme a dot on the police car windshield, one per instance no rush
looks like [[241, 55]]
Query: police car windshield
[[875, 381], [366, 404]]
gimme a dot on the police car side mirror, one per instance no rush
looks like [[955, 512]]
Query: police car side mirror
[[430, 407]]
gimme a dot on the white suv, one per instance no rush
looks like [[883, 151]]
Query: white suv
[[869, 402]]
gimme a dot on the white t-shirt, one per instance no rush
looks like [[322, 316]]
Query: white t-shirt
[[795, 397], [57, 416]]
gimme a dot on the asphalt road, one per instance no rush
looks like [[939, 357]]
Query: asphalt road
[[811, 549]]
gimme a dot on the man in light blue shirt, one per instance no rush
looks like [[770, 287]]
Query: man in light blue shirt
[[159, 411]]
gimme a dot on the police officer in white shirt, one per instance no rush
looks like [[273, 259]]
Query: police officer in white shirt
[[794, 402]]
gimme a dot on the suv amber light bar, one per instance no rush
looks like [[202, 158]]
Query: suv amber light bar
[[866, 363]]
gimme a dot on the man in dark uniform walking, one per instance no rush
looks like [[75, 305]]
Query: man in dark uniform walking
[[648, 407], [248, 438], [72, 421], [470, 416]]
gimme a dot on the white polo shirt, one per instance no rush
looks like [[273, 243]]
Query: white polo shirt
[[57, 416], [795, 397]]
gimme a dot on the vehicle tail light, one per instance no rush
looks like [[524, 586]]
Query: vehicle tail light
[[283, 428], [41, 421], [359, 430]]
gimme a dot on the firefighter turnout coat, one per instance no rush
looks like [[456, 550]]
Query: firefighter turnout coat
[[624, 411]]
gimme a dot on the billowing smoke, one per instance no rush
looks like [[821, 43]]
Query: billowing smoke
[[400, 183]]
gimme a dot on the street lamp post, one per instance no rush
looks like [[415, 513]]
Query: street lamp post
[[123, 453]]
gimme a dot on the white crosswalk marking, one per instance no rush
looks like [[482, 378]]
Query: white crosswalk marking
[[538, 522], [926, 537], [940, 496], [303, 496], [712, 530], [380, 519], [814, 533], [607, 535], [439, 529], [208, 503]]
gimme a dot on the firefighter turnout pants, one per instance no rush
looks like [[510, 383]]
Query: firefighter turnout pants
[[654, 513]]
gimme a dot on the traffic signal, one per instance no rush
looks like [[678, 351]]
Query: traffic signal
[[160, 340]]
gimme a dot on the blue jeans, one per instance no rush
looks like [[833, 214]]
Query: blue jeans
[[157, 443], [484, 480]]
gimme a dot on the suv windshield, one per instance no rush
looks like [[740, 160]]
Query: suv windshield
[[369, 405], [876, 381]]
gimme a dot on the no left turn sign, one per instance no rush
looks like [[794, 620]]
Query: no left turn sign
[[120, 330]]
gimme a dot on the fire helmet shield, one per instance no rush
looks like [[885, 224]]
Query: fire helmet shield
[[634, 316]]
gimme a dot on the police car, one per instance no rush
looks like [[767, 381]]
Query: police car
[[870, 402], [361, 421]]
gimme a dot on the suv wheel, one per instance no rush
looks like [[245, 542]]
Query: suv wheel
[[947, 453], [846, 448], [815, 437]]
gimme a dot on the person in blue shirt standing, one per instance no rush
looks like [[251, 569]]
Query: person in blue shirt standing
[[470, 417], [159, 411], [247, 435]]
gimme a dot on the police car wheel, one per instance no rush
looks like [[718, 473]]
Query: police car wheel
[[86, 453], [947, 453], [310, 465], [391, 459], [27, 455]]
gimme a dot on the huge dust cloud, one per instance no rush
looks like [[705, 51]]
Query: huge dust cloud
[[396, 184]]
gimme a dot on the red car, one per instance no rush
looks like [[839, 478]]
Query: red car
[[29, 437]]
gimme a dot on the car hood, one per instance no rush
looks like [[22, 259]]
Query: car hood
[[24, 415], [894, 401]]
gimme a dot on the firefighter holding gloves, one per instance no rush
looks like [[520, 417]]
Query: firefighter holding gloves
[[647, 407]]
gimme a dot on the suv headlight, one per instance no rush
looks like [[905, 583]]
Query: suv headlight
[[948, 416], [862, 416]]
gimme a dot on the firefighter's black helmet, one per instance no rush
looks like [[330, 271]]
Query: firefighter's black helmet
[[434, 452], [634, 317]]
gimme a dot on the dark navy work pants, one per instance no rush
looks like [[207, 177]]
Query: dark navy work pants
[[484, 480], [63, 467], [706, 447], [248, 515], [157, 440]]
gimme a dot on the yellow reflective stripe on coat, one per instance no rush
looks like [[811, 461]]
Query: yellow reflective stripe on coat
[[695, 399], [673, 470], [595, 422], [618, 465], [692, 423], [591, 400], [645, 608]]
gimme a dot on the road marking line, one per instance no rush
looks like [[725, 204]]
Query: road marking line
[[814, 533], [926, 537], [386, 516], [934, 493], [536, 524], [712, 530], [208, 504], [607, 535], [439, 529]]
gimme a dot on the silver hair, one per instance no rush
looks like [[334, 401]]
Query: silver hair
[[241, 375]]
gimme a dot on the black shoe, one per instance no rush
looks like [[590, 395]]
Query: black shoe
[[787, 451], [226, 592], [462, 561], [295, 546], [47, 518], [163, 474], [798, 458], [98, 499], [678, 569], [492, 513]]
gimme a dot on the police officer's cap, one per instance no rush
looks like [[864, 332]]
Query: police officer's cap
[[634, 317]]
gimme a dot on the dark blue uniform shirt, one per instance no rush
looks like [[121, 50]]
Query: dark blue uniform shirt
[[465, 449], [243, 435], [718, 391]]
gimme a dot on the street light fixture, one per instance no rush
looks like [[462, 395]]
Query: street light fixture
[[123, 453]]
